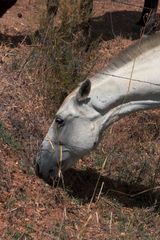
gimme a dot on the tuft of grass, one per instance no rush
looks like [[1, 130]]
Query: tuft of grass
[[7, 138], [61, 57], [18, 235], [29, 228], [99, 160], [16, 64], [10, 203], [59, 232]]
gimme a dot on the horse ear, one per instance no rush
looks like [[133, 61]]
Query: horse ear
[[84, 90]]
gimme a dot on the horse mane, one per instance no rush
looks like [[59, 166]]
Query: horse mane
[[142, 46]]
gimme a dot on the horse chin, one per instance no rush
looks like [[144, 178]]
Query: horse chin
[[46, 167], [50, 165]]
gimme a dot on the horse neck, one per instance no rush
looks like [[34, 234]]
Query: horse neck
[[132, 87]]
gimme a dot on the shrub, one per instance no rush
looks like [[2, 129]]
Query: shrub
[[60, 53]]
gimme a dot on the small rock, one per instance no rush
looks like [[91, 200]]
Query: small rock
[[19, 15]]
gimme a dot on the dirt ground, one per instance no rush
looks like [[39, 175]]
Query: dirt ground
[[128, 206]]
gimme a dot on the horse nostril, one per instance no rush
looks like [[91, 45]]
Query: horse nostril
[[37, 170]]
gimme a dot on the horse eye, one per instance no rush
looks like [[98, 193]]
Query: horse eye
[[59, 121]]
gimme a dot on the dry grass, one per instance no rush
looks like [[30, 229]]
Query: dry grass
[[60, 57], [124, 202]]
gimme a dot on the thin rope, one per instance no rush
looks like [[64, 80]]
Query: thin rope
[[112, 27], [128, 78]]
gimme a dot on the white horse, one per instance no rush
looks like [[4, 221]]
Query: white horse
[[130, 83]]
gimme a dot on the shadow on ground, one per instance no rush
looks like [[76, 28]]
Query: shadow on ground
[[15, 40], [106, 27], [113, 24], [80, 184]]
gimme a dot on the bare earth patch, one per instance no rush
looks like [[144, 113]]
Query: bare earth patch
[[126, 202]]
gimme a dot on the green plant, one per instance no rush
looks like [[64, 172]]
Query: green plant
[[7, 138], [10, 203], [99, 160], [15, 64], [59, 232], [29, 228], [17, 236]]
